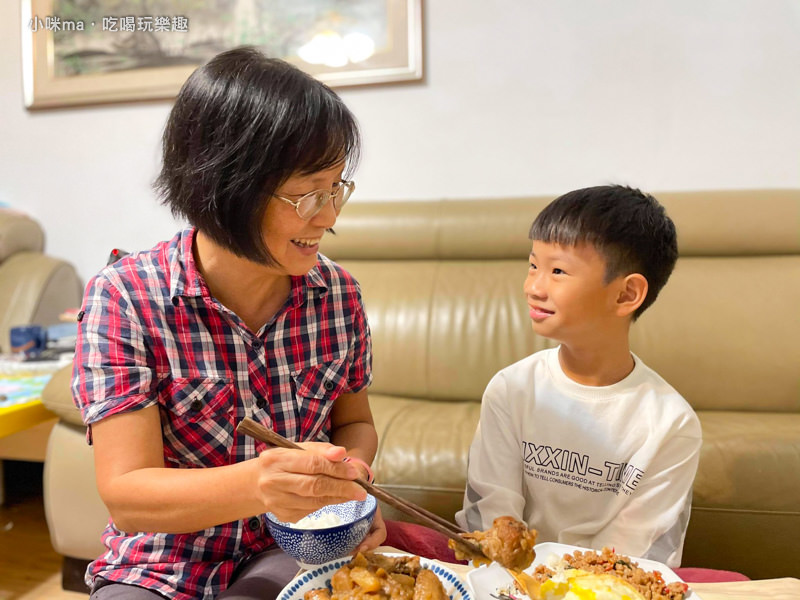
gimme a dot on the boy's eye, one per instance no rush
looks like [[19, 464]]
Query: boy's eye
[[533, 267], [558, 272]]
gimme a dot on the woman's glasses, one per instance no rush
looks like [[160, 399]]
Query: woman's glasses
[[311, 203]]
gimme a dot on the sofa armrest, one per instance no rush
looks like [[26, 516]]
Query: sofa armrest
[[19, 233], [76, 516], [35, 288], [57, 397]]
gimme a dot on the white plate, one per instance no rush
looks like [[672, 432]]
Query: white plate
[[487, 580], [321, 577]]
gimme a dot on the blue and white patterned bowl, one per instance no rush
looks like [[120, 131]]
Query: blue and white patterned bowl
[[311, 547], [320, 577]]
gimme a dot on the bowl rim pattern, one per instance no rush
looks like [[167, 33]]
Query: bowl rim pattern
[[283, 526], [460, 586]]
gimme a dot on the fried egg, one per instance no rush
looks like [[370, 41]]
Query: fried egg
[[575, 584]]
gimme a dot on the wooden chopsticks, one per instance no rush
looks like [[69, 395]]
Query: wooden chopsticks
[[255, 430]]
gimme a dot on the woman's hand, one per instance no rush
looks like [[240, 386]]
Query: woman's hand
[[294, 483], [376, 535]]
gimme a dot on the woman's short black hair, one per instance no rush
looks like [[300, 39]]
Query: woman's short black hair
[[629, 228], [242, 124]]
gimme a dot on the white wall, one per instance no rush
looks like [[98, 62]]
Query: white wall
[[532, 96]]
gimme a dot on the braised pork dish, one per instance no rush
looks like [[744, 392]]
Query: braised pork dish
[[372, 576]]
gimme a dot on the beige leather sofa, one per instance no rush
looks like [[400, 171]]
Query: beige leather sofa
[[34, 288], [442, 283]]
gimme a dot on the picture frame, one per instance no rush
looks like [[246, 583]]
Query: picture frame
[[83, 53]]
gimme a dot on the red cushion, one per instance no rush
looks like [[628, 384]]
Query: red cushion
[[697, 575], [416, 539]]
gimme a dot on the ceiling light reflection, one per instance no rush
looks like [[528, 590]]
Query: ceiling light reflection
[[331, 49]]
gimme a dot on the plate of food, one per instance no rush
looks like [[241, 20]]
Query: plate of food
[[394, 574], [564, 572]]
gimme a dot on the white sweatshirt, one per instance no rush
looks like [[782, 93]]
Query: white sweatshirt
[[587, 466]]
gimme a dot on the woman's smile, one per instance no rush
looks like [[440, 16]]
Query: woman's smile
[[307, 246]]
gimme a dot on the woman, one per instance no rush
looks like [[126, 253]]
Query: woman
[[238, 315]]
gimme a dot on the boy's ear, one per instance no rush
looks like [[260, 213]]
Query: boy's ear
[[632, 293]]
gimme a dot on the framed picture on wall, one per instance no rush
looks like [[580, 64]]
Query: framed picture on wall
[[78, 52]]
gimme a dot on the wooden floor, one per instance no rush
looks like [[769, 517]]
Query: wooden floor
[[29, 567]]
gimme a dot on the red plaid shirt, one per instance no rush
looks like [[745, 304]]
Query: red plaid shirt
[[153, 334]]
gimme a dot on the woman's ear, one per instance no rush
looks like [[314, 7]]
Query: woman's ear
[[631, 295]]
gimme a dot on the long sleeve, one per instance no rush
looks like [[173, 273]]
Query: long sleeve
[[652, 524], [494, 478]]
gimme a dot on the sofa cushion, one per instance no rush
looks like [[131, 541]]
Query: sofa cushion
[[422, 453], [435, 324], [749, 462], [725, 332]]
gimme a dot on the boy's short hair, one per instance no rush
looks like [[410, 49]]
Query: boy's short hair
[[241, 125], [629, 228]]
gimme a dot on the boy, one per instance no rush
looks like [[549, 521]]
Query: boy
[[584, 442]]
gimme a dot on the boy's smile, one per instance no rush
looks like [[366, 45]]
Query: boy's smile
[[568, 297], [539, 314]]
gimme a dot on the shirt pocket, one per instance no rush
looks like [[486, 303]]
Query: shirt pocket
[[199, 427], [316, 388]]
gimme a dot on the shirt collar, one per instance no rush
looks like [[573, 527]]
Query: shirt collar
[[187, 281], [311, 283]]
